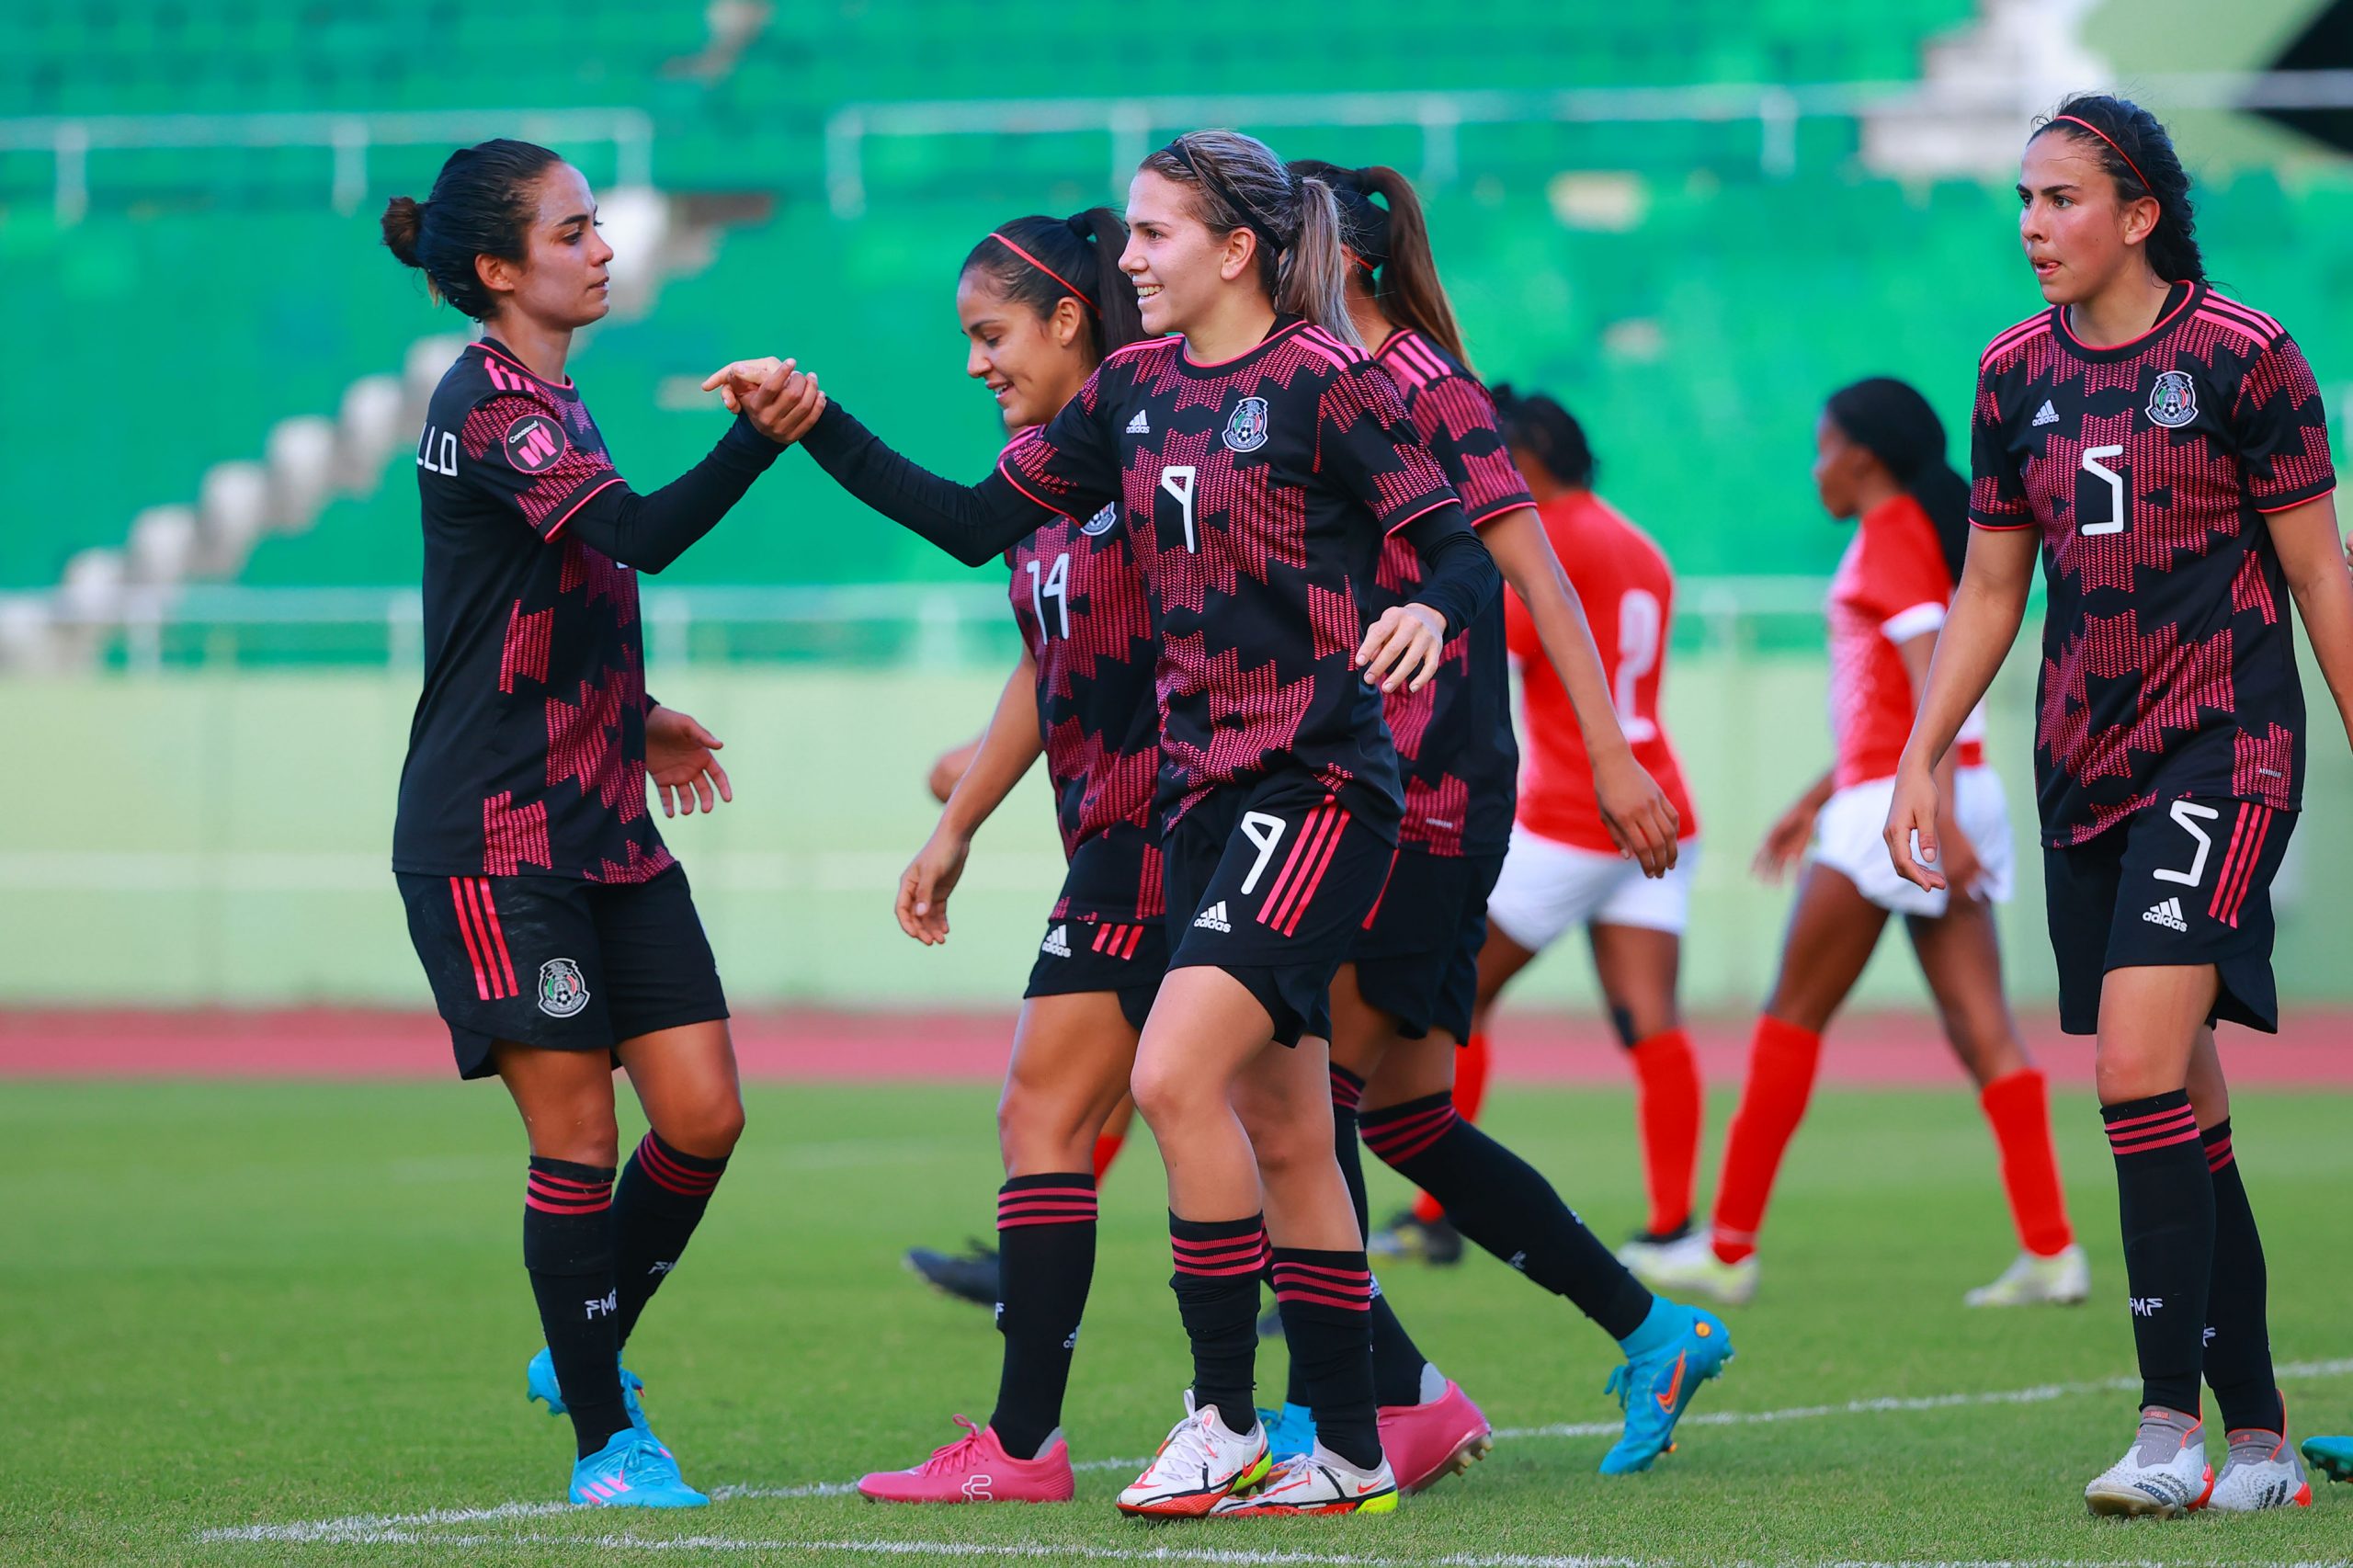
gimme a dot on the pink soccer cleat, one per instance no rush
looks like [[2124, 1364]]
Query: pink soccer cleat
[[1427, 1442], [976, 1469]]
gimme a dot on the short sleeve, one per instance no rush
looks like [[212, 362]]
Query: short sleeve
[[1997, 497], [1367, 444], [1456, 420], [1900, 580], [2282, 430], [517, 452], [1070, 465]]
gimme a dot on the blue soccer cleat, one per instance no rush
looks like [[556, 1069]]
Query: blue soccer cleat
[[1676, 1350], [539, 1382], [2333, 1456], [632, 1470], [1290, 1431]]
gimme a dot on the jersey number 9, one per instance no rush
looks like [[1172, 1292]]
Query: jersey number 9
[[1177, 480]]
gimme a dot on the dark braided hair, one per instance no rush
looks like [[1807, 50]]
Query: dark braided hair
[[1892, 421], [2138, 155]]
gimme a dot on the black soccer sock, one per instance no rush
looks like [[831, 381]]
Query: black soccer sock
[[1045, 1248], [1397, 1361], [2238, 1334], [1326, 1298], [1498, 1201], [2165, 1201], [568, 1248], [1219, 1263], [663, 1194]]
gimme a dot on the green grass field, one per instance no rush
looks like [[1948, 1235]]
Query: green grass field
[[237, 1311]]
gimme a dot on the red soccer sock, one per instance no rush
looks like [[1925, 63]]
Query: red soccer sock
[[1782, 1060], [1107, 1149], [1667, 1097], [2018, 1106], [1470, 1067]]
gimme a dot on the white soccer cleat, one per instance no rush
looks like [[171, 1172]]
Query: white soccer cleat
[[2162, 1475], [1690, 1267], [1319, 1482], [2062, 1279], [2262, 1472], [1202, 1462]]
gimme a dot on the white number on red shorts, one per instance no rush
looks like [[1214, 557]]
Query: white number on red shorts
[[2187, 813]]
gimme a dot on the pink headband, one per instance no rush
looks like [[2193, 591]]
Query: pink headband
[[2120, 153], [1076, 293]]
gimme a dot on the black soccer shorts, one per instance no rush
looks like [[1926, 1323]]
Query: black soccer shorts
[[2182, 883], [1417, 957], [1271, 881], [563, 964]]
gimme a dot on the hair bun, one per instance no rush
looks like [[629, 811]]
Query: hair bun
[[404, 226]]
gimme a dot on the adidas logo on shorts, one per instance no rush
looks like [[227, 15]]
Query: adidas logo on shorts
[[1057, 943], [2166, 913], [1213, 919], [1139, 426]]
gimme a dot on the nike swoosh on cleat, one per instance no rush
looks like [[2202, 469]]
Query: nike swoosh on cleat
[[1675, 1386]]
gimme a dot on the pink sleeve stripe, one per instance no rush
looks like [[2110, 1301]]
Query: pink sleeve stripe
[[1430, 505], [1015, 480], [1992, 527], [1434, 367], [1501, 509], [1329, 355], [2011, 337], [557, 526], [2271, 327], [2233, 324], [1348, 353], [2330, 489]]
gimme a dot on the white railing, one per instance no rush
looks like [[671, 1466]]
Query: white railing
[[1129, 123], [71, 141]]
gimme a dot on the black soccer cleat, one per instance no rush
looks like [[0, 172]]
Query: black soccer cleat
[[1436, 1243], [971, 1278]]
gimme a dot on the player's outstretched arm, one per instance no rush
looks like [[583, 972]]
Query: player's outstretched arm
[[1984, 621], [1405, 646], [974, 523], [1008, 749], [679, 764], [1636, 811], [2306, 539]]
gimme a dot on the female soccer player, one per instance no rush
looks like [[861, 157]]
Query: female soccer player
[[558, 934], [1402, 1004], [1879, 457], [1564, 868], [1041, 302], [2166, 446], [1259, 459]]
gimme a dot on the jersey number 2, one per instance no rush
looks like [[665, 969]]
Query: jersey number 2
[[1640, 627], [2115, 520]]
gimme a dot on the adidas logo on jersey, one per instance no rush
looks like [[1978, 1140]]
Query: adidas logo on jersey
[[1213, 919], [1139, 426], [1057, 943], [2046, 415], [2166, 913]]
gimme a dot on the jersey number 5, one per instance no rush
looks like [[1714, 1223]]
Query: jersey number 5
[[1177, 480], [2113, 523]]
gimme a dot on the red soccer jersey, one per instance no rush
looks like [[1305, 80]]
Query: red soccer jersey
[[1629, 593], [1891, 587]]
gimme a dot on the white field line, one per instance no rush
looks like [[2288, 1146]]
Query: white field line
[[387, 1528]]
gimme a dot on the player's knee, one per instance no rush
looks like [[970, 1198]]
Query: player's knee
[[709, 1129], [2121, 1073], [1040, 1122], [1165, 1095]]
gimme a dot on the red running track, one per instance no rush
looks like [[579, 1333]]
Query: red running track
[[818, 1046]]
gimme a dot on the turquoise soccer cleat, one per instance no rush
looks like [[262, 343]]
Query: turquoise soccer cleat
[[632, 1470], [539, 1382], [2333, 1456], [1676, 1350], [1290, 1431]]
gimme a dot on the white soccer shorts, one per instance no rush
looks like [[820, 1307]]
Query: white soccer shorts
[[1847, 839], [1547, 886]]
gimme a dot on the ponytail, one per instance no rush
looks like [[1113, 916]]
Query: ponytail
[[1892, 421], [2137, 152], [1391, 242], [1040, 262], [1238, 182]]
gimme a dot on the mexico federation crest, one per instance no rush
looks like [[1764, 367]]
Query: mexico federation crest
[[2173, 401], [1101, 523], [534, 442], [1246, 431], [563, 991]]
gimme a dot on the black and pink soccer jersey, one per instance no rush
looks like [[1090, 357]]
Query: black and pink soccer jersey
[[1256, 493], [527, 756], [1454, 736], [1085, 615], [2168, 666]]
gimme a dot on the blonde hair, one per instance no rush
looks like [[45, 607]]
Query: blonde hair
[[1239, 183]]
